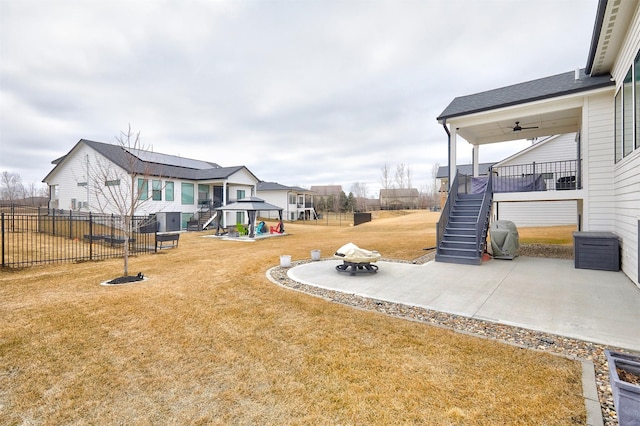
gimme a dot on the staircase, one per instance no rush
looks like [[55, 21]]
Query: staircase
[[463, 227]]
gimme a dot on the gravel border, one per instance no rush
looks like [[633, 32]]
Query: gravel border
[[572, 348]]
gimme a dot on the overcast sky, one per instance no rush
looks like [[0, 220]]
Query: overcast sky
[[301, 92]]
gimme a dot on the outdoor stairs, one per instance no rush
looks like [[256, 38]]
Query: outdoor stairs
[[459, 244]]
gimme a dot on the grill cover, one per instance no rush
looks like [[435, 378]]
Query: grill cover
[[504, 239]]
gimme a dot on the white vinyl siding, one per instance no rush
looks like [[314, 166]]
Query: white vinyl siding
[[626, 173], [597, 143], [538, 213]]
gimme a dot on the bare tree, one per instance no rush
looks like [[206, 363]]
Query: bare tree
[[400, 175], [360, 192], [11, 188], [385, 179], [121, 186]]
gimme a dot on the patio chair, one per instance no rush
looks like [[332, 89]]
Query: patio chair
[[242, 230], [261, 228], [276, 229]]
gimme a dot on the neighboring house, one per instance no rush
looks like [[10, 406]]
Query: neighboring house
[[600, 103], [297, 203], [323, 194], [367, 204], [176, 189], [399, 199]]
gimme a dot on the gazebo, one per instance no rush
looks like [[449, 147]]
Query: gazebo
[[252, 205]]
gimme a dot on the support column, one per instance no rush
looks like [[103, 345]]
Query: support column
[[475, 155], [224, 203], [452, 157]]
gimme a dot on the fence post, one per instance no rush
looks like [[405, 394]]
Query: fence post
[[2, 226], [53, 222], [70, 224], [113, 229], [533, 176], [90, 237]]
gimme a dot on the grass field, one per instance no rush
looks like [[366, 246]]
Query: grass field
[[207, 339]]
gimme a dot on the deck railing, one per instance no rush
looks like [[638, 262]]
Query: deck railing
[[544, 176]]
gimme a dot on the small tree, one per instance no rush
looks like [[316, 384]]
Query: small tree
[[385, 179], [342, 205], [121, 186], [351, 202], [361, 192]]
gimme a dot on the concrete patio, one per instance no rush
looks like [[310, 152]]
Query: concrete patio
[[547, 295]]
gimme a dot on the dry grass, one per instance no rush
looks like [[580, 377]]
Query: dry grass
[[209, 340]]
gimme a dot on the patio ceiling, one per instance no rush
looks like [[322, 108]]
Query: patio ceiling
[[544, 124], [547, 118], [551, 105]]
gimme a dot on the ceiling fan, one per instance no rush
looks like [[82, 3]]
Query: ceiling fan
[[518, 127]]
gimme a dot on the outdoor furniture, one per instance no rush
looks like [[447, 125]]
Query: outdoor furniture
[[242, 230], [261, 228], [172, 239], [356, 260], [276, 229], [596, 250]]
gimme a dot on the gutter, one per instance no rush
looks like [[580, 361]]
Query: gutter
[[595, 37]]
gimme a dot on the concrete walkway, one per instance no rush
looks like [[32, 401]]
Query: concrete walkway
[[547, 295]]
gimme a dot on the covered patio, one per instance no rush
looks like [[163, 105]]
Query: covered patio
[[547, 106]]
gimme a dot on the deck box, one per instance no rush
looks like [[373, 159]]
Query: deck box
[[596, 250]]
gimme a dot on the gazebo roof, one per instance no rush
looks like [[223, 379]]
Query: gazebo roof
[[249, 204]]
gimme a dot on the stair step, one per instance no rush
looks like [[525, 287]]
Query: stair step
[[459, 238], [459, 245], [462, 252], [463, 225], [479, 196], [461, 218], [459, 260]]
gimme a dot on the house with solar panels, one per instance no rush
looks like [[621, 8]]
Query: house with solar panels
[[178, 191]]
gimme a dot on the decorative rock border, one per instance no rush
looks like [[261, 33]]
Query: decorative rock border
[[586, 352]]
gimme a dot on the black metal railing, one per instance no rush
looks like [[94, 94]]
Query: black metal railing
[[545, 176], [482, 224], [446, 210], [40, 235]]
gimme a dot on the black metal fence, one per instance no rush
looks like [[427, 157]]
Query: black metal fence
[[31, 235]]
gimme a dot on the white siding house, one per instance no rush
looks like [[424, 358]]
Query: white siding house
[[600, 103], [297, 203], [165, 184]]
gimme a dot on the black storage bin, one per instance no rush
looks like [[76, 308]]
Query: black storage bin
[[596, 250]]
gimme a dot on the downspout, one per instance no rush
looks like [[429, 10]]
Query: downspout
[[444, 124]]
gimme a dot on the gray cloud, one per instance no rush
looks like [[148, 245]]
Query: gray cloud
[[303, 93]]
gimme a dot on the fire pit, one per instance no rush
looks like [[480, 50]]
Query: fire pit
[[356, 260]]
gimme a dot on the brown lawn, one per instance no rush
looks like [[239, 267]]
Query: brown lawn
[[209, 340]]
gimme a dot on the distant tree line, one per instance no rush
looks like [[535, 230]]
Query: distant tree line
[[341, 203], [13, 191]]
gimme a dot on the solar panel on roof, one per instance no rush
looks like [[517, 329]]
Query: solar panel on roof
[[172, 160]]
